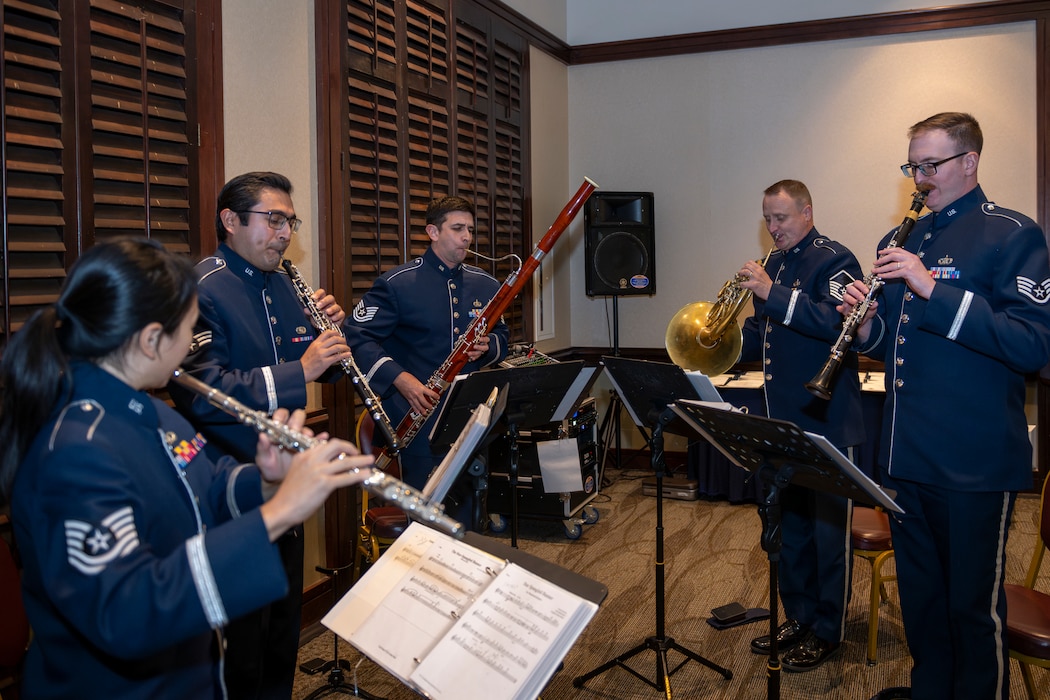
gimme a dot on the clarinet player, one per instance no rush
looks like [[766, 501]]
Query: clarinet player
[[963, 316], [254, 341]]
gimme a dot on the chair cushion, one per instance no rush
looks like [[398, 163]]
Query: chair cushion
[[871, 530], [1028, 621], [386, 522]]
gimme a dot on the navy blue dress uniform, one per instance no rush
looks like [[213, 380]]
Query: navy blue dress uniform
[[250, 336], [955, 446], [409, 321], [251, 333], [791, 333], [135, 547]]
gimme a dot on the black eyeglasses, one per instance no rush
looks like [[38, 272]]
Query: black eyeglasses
[[277, 220], [927, 169]]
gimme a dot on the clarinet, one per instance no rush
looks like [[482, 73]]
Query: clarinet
[[357, 378], [442, 377], [821, 385], [378, 483]]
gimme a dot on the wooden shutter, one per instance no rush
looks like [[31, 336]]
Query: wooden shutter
[[39, 159], [99, 135], [435, 107]]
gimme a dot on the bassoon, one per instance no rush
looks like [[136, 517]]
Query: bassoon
[[822, 384], [479, 328]]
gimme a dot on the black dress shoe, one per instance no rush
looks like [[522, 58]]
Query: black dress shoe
[[789, 634], [812, 652], [899, 693]]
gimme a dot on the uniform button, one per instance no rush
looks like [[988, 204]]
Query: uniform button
[[269, 299], [908, 296], [900, 340], [928, 236], [905, 318], [455, 300], [768, 361], [455, 314], [456, 329], [769, 377], [899, 383], [277, 339], [899, 361], [452, 286], [280, 360], [767, 346], [273, 320]]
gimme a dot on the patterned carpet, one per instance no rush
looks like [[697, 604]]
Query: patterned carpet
[[712, 556]]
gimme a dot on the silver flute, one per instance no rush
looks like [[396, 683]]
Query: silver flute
[[357, 378], [379, 483]]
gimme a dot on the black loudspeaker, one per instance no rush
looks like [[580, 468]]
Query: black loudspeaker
[[620, 244]]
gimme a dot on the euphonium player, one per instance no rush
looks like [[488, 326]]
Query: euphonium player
[[963, 316], [794, 324], [406, 325]]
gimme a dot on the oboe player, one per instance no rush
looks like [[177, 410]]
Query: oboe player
[[255, 342], [406, 325], [795, 295], [963, 316]]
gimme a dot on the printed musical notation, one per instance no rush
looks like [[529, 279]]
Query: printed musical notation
[[443, 611]]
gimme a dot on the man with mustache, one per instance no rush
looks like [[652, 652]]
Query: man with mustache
[[406, 325], [255, 342]]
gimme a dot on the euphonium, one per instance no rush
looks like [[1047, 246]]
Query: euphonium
[[378, 483], [822, 384], [705, 336]]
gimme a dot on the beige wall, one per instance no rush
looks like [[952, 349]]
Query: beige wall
[[707, 133], [269, 113]]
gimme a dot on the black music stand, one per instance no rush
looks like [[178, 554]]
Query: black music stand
[[780, 453], [451, 425], [646, 389], [537, 395]]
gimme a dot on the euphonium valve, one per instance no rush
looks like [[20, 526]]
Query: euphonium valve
[[706, 336]]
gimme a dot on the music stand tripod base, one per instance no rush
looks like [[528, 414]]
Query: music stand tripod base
[[660, 643]]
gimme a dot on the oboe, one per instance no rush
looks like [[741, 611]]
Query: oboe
[[378, 483], [357, 378], [821, 385]]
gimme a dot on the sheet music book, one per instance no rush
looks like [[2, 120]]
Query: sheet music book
[[445, 474], [705, 388], [456, 623]]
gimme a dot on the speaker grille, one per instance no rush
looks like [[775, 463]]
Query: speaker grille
[[621, 261]]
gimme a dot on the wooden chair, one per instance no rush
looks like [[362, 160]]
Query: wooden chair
[[1028, 610], [872, 541], [379, 525]]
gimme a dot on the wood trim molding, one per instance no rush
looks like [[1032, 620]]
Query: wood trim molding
[[884, 24]]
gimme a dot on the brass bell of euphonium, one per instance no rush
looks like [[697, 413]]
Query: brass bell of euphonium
[[706, 336]]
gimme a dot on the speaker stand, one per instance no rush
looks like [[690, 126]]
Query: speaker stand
[[611, 421]]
